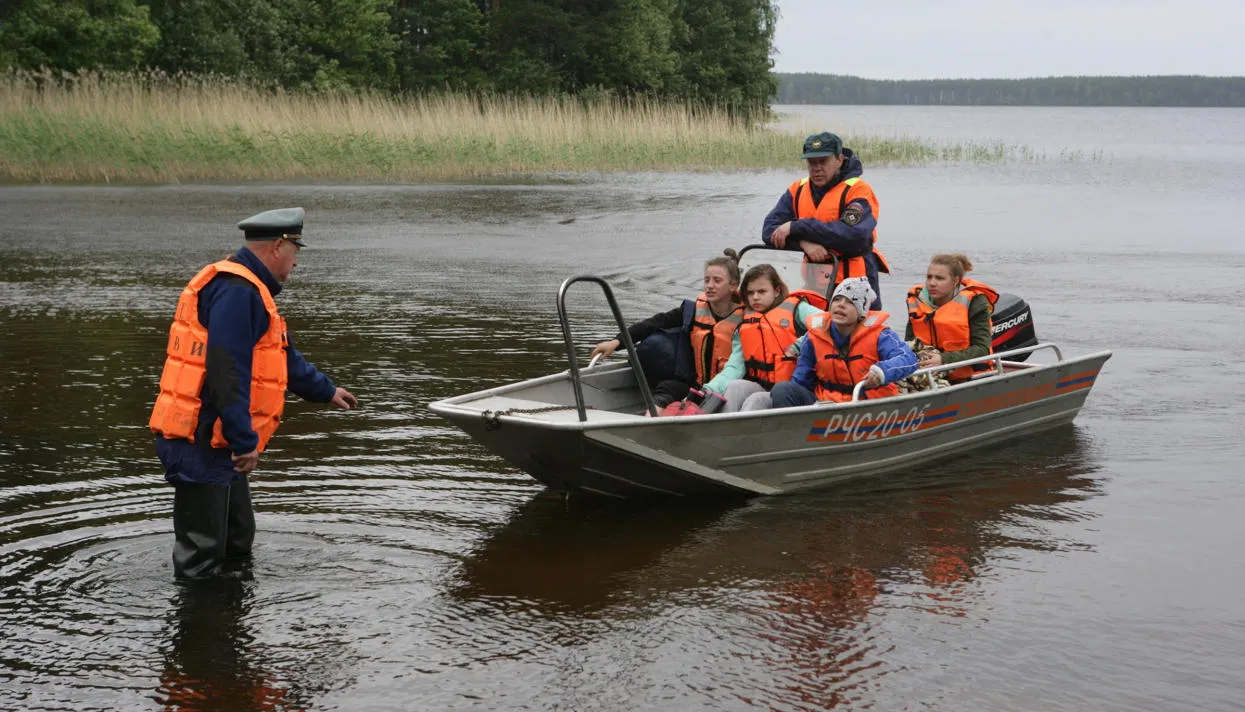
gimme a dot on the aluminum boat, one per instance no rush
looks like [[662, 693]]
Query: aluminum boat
[[596, 429]]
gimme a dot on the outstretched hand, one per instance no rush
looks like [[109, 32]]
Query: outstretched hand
[[344, 399]]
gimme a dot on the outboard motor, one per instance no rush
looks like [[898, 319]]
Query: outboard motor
[[1013, 325]]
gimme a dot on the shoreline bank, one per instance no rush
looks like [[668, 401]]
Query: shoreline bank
[[104, 130]]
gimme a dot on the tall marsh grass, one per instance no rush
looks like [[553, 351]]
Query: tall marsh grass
[[151, 128]]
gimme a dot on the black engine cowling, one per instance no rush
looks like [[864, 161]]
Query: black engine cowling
[[1013, 325]]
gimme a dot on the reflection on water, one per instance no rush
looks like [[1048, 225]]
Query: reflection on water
[[934, 527], [213, 661], [572, 556], [807, 583]]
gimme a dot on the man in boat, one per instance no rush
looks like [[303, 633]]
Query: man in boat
[[832, 210], [228, 365]]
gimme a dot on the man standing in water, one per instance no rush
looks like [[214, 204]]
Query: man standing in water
[[229, 362], [833, 210]]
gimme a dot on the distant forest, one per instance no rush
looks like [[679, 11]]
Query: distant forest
[[1047, 91], [693, 51]]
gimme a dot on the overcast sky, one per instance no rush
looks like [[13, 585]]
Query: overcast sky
[[911, 39]]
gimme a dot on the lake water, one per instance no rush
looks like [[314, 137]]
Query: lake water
[[400, 566]]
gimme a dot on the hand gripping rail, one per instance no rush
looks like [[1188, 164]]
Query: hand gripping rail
[[998, 360], [632, 358]]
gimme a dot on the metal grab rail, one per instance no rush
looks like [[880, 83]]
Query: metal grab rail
[[996, 358], [634, 360]]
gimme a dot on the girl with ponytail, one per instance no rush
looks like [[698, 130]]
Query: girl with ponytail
[[950, 315]]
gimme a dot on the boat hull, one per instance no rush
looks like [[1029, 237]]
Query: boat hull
[[621, 454]]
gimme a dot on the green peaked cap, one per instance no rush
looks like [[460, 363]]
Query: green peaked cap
[[274, 224]]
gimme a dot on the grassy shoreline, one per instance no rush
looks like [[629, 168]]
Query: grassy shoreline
[[128, 129]]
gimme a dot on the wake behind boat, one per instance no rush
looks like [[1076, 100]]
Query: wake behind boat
[[596, 429]]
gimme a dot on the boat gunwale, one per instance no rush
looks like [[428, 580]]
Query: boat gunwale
[[455, 405]]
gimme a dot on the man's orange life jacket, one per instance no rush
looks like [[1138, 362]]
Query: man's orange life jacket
[[765, 337], [837, 374], [946, 327], [176, 413], [711, 339], [830, 209]]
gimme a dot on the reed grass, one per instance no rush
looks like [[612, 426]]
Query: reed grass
[[151, 128]]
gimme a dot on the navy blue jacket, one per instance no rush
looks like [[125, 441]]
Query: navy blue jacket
[[234, 314], [847, 240]]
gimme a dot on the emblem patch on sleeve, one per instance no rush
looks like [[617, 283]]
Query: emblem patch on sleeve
[[852, 215]]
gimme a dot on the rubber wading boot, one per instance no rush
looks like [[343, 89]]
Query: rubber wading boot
[[200, 521], [241, 520]]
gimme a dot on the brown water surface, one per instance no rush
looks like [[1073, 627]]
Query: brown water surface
[[400, 566]]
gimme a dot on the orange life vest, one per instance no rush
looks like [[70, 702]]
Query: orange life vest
[[814, 298], [830, 209], [946, 327], [764, 338], [837, 374], [176, 413], [711, 339]]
